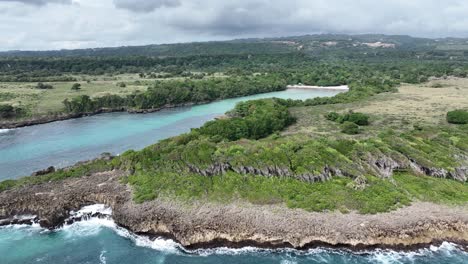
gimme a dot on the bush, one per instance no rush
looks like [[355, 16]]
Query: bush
[[44, 86], [357, 118], [333, 116], [350, 128], [76, 87], [360, 119], [457, 117], [6, 111], [251, 119]]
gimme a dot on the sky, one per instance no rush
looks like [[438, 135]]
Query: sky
[[71, 24]]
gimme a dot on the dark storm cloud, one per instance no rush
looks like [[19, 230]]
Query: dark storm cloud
[[145, 5], [38, 2]]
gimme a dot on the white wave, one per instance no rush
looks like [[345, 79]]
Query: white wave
[[93, 225], [288, 262], [102, 258], [3, 131], [88, 227], [160, 244], [93, 209], [227, 251]]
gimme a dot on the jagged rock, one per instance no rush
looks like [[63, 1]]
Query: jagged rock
[[360, 183], [460, 174], [50, 169], [204, 224], [106, 156], [385, 166]]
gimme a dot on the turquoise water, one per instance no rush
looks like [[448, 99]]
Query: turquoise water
[[63, 143], [100, 241]]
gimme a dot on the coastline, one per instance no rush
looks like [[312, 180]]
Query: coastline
[[5, 124], [337, 88], [198, 224], [62, 117]]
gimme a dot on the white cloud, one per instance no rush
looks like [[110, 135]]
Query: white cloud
[[52, 24], [38, 2], [145, 5]]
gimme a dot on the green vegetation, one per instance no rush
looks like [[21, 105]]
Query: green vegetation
[[166, 93], [350, 122], [76, 87], [350, 128], [8, 111], [359, 119], [252, 120], [218, 166], [406, 155], [457, 117], [42, 86]]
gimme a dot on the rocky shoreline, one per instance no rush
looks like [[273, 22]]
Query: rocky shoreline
[[203, 225], [61, 117]]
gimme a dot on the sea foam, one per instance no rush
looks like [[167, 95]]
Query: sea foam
[[90, 226], [4, 131]]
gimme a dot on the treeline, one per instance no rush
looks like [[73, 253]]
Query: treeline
[[169, 93], [364, 80], [403, 65], [16, 69]]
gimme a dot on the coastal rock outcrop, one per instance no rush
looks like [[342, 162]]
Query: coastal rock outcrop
[[201, 224]]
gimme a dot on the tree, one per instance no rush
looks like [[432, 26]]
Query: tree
[[76, 87]]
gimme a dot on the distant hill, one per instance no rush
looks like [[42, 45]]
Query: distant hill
[[307, 43]]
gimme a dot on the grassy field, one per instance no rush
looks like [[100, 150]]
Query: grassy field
[[42, 102], [413, 105]]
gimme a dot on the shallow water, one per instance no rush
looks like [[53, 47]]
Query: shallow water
[[63, 143], [101, 241]]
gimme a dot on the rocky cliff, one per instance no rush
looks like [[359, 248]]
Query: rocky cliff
[[201, 224]]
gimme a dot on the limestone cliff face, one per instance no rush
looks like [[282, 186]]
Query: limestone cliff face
[[239, 224], [381, 165]]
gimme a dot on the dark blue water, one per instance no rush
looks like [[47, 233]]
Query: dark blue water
[[60, 144]]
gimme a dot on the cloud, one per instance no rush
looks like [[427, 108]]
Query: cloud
[[145, 5], [92, 23], [39, 2]]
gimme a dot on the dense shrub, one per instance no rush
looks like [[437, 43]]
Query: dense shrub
[[76, 87], [251, 119], [357, 118], [43, 86], [333, 116], [360, 119], [9, 111], [350, 128], [457, 117]]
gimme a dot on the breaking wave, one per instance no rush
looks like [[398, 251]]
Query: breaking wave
[[95, 218]]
